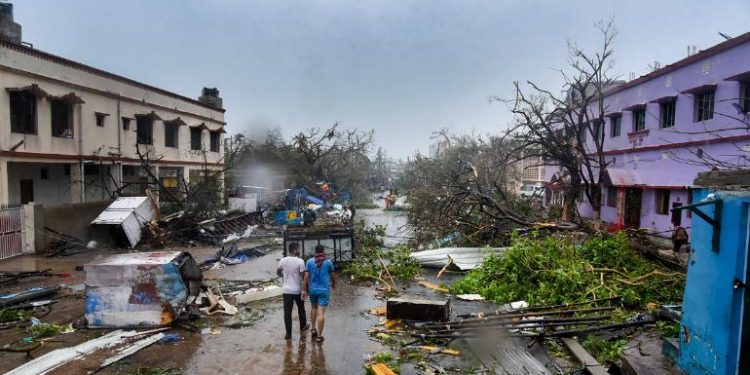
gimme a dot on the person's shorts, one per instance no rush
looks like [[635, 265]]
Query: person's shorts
[[319, 297]]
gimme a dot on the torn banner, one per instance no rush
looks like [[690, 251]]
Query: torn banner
[[140, 289]]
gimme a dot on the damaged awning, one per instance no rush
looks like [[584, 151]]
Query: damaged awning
[[70, 98], [620, 177], [33, 89], [140, 289], [463, 258]]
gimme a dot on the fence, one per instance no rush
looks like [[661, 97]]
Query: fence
[[11, 230]]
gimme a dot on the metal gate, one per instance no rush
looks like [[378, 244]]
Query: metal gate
[[11, 230]]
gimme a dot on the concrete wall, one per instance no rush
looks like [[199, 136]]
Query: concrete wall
[[72, 219]]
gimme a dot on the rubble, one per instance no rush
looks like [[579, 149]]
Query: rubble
[[28, 295]]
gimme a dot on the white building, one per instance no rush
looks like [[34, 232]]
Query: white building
[[71, 133]]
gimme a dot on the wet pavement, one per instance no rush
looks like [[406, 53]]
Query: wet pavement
[[257, 348]]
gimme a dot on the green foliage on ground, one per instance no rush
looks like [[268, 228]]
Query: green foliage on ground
[[604, 350], [43, 330], [372, 259], [7, 315], [554, 270]]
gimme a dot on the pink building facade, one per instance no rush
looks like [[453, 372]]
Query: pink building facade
[[663, 128]]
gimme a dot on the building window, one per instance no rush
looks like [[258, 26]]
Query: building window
[[612, 196], [22, 112], [615, 123], [667, 114], [704, 105], [745, 96], [215, 141], [125, 124], [171, 131], [44, 173], [662, 201], [101, 118], [145, 130], [639, 120], [62, 118], [196, 138]]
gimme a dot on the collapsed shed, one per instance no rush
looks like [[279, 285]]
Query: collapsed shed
[[124, 219], [140, 289]]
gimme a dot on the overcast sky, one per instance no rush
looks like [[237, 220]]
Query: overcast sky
[[404, 68]]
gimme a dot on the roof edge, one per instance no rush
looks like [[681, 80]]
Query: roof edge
[[102, 73]]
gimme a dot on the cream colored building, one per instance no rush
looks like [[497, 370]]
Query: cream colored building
[[70, 133]]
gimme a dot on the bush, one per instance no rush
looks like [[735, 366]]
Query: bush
[[552, 270]]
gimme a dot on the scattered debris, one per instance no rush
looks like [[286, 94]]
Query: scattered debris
[[470, 297], [418, 309], [8, 277], [380, 310], [143, 289], [381, 369], [59, 357], [28, 295], [217, 305], [257, 294], [433, 286], [229, 255], [462, 258], [589, 363], [132, 349], [439, 350]]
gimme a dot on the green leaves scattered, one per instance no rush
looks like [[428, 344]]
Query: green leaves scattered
[[554, 270]]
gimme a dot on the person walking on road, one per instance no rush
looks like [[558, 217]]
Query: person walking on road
[[291, 269], [318, 282]]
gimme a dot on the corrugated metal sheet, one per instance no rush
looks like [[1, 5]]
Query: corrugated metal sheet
[[464, 258]]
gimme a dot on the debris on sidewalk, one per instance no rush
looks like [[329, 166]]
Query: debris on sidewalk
[[257, 294], [140, 289], [381, 369], [59, 357], [11, 277], [433, 286], [125, 219], [418, 309], [462, 258], [217, 304], [470, 297], [231, 254], [28, 295], [438, 350], [380, 310]]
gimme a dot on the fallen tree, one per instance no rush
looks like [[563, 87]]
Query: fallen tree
[[556, 270]]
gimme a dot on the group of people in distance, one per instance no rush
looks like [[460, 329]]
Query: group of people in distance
[[314, 278]]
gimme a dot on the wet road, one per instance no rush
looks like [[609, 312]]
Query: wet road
[[256, 349]]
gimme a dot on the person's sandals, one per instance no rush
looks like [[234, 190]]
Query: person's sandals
[[314, 332], [305, 328], [287, 337], [320, 339]]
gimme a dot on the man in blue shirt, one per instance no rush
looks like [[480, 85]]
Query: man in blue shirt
[[319, 280]]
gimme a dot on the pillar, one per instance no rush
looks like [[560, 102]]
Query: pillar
[[34, 228], [4, 182], [76, 183]]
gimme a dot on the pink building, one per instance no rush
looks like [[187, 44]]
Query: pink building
[[665, 127]]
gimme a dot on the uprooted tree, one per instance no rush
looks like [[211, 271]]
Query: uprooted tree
[[470, 189], [567, 131]]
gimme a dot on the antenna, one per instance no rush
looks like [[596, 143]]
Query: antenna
[[631, 76], [725, 36]]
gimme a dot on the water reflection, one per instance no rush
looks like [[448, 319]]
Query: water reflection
[[395, 223]]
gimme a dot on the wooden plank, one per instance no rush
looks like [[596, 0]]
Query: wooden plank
[[418, 309], [381, 369], [588, 361]]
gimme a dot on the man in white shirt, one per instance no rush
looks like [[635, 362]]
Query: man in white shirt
[[291, 269]]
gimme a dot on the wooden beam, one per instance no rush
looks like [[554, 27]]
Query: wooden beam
[[589, 362]]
